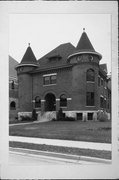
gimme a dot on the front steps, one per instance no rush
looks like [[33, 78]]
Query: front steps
[[46, 116]]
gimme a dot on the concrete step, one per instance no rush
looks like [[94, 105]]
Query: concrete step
[[46, 116]]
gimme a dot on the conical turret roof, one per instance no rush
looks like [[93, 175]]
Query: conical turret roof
[[84, 46], [29, 57], [84, 43]]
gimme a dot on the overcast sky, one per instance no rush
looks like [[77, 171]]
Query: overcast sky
[[47, 31]]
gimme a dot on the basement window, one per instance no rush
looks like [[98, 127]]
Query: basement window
[[79, 116], [90, 116]]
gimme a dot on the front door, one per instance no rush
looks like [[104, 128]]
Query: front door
[[50, 102]]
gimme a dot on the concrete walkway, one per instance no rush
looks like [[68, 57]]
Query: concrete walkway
[[65, 143]]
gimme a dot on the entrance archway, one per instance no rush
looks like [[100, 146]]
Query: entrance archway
[[50, 102]]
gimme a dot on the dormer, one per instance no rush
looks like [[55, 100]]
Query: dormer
[[54, 57]]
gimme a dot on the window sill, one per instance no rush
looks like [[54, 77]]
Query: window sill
[[90, 106], [49, 84], [90, 81], [62, 107]]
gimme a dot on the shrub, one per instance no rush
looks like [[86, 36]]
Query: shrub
[[60, 115], [26, 118], [34, 115], [54, 119], [102, 116], [69, 119]]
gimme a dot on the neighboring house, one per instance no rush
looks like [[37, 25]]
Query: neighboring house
[[68, 77], [13, 88]]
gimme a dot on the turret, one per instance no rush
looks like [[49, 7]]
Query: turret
[[85, 70], [84, 52], [27, 64]]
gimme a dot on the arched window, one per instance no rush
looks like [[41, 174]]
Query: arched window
[[37, 102], [63, 100], [12, 85], [12, 105], [90, 75]]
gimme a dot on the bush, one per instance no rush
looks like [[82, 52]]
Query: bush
[[54, 119], [26, 118], [69, 119], [102, 116], [34, 115], [60, 115]]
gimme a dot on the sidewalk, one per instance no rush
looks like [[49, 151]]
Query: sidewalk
[[65, 143], [59, 156]]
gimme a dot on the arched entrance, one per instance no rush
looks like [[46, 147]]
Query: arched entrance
[[50, 102], [12, 105]]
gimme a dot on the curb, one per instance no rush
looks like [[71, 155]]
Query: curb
[[60, 156]]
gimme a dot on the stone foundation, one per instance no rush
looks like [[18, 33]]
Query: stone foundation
[[48, 116], [24, 114], [84, 114]]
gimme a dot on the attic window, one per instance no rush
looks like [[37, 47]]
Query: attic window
[[54, 58]]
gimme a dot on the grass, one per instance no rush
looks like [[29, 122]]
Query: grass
[[64, 150], [69, 130], [20, 122]]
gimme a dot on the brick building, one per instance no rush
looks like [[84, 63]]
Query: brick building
[[68, 77], [13, 88]]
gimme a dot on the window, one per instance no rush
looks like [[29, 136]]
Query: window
[[104, 103], [51, 79], [101, 102], [46, 80], [63, 101], [12, 85], [37, 102], [79, 116], [90, 116], [12, 105], [90, 98], [99, 81], [90, 75], [90, 58]]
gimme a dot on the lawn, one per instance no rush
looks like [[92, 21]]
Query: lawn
[[70, 130]]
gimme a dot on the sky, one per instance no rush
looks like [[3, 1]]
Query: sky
[[45, 32]]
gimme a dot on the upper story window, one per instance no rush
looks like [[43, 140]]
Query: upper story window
[[90, 75], [102, 102], [90, 58], [37, 102], [63, 100], [102, 82], [49, 79], [99, 81]]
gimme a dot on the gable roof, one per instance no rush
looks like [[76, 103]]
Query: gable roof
[[103, 67], [12, 64], [84, 44], [61, 53], [29, 57]]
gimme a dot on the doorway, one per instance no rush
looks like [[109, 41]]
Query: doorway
[[50, 102]]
